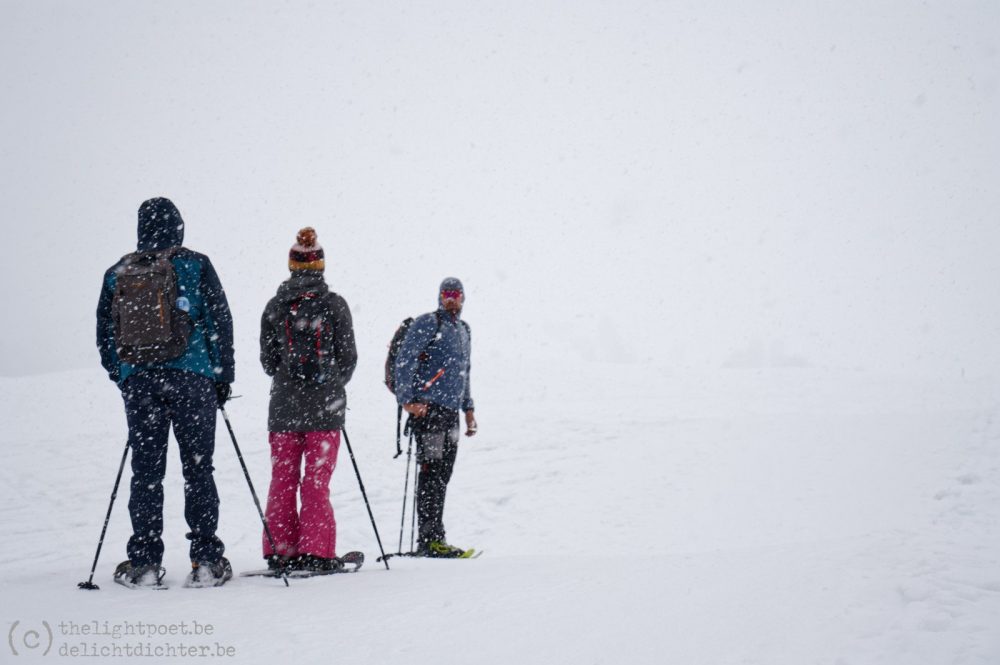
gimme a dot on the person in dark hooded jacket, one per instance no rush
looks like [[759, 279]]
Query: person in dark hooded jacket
[[307, 347], [182, 390]]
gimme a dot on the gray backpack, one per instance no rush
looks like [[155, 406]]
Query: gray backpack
[[151, 322]]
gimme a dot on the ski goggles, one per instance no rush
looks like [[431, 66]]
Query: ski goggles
[[451, 295]]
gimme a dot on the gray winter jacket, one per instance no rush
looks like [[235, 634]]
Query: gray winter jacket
[[299, 405]]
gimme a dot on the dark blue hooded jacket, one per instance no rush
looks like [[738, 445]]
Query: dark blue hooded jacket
[[210, 346]]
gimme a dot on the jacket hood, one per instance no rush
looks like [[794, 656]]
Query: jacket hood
[[302, 281], [160, 225]]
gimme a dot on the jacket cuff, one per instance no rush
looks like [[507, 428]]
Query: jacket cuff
[[225, 376]]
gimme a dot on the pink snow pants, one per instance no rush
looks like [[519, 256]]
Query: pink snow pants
[[313, 530]]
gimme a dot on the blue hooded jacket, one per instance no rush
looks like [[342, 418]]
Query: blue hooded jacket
[[210, 346], [442, 377]]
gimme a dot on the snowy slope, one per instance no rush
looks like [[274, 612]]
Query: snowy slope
[[731, 279], [771, 516]]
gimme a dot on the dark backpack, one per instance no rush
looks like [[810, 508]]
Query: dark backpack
[[396, 344], [150, 321], [309, 338]]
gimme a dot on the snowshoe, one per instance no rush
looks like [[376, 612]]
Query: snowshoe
[[206, 574], [438, 549], [316, 564], [349, 563], [140, 577]]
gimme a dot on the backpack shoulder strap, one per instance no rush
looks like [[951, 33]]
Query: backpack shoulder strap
[[168, 254], [171, 252], [332, 301], [437, 329]]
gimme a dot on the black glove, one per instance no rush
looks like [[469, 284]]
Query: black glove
[[222, 392]]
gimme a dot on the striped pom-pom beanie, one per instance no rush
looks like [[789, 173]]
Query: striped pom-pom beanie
[[306, 253]]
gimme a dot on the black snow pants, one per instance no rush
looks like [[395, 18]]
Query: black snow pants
[[437, 447], [155, 400]]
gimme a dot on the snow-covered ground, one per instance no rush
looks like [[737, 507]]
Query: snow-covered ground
[[731, 277], [745, 516]]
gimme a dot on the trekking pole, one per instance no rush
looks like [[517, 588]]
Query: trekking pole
[[364, 495], [256, 501], [413, 511], [399, 424], [89, 584], [406, 492]]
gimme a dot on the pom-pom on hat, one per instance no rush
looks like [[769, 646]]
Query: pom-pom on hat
[[306, 253]]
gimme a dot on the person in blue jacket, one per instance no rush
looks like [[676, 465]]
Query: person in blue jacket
[[183, 391], [433, 384]]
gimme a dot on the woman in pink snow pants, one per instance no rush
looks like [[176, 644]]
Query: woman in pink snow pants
[[307, 347]]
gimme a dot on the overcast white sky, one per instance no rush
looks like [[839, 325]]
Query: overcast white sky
[[674, 183]]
